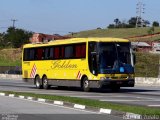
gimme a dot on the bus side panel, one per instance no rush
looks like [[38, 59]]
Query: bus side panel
[[67, 69]]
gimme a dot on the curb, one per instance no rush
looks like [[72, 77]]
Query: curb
[[11, 76], [124, 115]]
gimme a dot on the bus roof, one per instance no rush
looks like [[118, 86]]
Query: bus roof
[[76, 40]]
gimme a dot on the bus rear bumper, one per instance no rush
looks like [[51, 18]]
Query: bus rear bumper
[[111, 83]]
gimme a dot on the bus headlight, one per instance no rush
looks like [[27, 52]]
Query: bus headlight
[[130, 77], [102, 78]]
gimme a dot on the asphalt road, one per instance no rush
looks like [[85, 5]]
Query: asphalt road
[[20, 109], [142, 96]]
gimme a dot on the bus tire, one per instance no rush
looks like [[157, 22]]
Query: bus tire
[[85, 85], [45, 83], [38, 82]]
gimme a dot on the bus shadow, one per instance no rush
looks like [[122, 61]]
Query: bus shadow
[[77, 89], [95, 90], [19, 86], [125, 90]]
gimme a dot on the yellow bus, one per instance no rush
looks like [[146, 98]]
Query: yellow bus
[[79, 62]]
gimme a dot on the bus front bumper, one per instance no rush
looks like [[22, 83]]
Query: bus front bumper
[[111, 83]]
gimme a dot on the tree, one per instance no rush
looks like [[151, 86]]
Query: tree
[[117, 22], [132, 21], [2, 43], [155, 24], [146, 23], [111, 26], [17, 37], [139, 21]]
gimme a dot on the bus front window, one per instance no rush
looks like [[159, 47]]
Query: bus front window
[[115, 58]]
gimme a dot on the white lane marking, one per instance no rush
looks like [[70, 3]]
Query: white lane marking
[[144, 98], [153, 105], [56, 105], [114, 97], [87, 96], [130, 100], [79, 106], [102, 96], [107, 111]]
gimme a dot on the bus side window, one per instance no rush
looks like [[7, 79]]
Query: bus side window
[[26, 55], [32, 54], [39, 54], [83, 51], [69, 52], [56, 53], [51, 53], [46, 53], [62, 52], [80, 50]]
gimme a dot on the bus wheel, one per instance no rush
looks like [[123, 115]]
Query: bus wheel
[[86, 85], [38, 82], [45, 83]]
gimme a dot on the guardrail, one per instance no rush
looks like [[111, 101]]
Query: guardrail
[[141, 81], [10, 76], [11, 70]]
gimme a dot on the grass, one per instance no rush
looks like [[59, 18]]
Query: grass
[[118, 33], [93, 103], [9, 63], [147, 65], [10, 57]]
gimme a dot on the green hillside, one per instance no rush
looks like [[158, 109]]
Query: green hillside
[[118, 32], [146, 66]]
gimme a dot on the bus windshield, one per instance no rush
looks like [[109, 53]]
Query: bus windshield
[[115, 58]]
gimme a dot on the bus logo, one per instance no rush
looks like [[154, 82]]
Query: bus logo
[[63, 65], [33, 72]]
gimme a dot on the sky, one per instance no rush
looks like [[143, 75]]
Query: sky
[[64, 16]]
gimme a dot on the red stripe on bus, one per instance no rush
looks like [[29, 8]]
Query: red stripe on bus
[[78, 75]]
